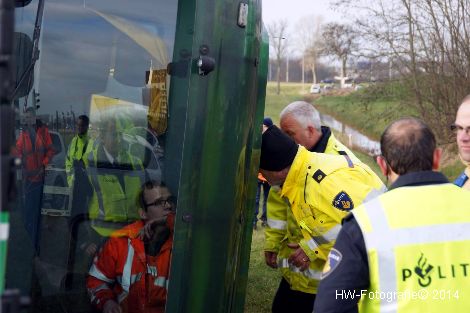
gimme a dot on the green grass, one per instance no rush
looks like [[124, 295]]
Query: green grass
[[371, 109], [453, 170], [262, 280], [289, 92]]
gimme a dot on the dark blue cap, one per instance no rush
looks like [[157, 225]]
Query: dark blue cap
[[268, 121]]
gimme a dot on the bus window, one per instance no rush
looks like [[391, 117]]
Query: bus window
[[93, 116]]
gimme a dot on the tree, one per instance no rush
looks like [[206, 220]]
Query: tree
[[429, 43], [308, 40], [339, 40], [277, 32]]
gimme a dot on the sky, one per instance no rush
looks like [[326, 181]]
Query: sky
[[294, 10]]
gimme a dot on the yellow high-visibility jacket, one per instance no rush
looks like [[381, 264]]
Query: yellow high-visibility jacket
[[115, 189], [78, 150], [282, 227], [417, 240], [278, 211], [320, 189]]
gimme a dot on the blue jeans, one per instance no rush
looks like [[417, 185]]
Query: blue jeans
[[266, 187]]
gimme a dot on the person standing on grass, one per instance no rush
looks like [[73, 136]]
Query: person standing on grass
[[301, 121], [315, 191], [264, 185]]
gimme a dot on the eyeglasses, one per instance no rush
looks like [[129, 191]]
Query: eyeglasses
[[456, 129], [162, 202]]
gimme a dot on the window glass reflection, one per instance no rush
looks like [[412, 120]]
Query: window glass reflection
[[91, 131]]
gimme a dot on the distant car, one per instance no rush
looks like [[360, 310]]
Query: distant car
[[348, 83], [56, 193], [315, 88]]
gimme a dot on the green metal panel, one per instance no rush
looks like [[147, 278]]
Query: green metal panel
[[4, 217], [218, 133], [254, 165]]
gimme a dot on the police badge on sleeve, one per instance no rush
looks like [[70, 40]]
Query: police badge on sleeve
[[343, 202], [334, 258]]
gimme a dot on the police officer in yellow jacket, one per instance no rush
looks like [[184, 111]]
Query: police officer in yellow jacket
[[301, 121], [320, 190], [406, 250]]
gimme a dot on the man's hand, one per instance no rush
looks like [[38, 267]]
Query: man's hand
[[146, 233], [270, 258], [111, 306], [91, 249], [298, 257]]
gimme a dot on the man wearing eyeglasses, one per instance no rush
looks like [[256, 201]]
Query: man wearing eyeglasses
[[461, 128], [130, 273]]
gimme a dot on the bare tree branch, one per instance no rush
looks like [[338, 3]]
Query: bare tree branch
[[277, 33], [339, 40]]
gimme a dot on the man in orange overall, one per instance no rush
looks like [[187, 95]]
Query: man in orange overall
[[130, 272], [34, 147]]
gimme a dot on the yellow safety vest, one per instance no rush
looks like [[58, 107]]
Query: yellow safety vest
[[114, 202], [321, 189], [417, 241], [282, 229], [78, 150]]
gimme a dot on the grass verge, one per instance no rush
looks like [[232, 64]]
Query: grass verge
[[262, 280]]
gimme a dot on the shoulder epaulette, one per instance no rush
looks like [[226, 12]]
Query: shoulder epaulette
[[318, 176], [350, 163], [461, 180]]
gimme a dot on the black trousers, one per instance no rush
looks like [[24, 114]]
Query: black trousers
[[288, 300]]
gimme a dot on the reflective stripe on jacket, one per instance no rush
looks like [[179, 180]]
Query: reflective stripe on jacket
[[35, 159], [282, 229], [123, 272], [321, 190], [417, 241]]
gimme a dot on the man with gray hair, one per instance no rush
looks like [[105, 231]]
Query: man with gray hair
[[301, 121]]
